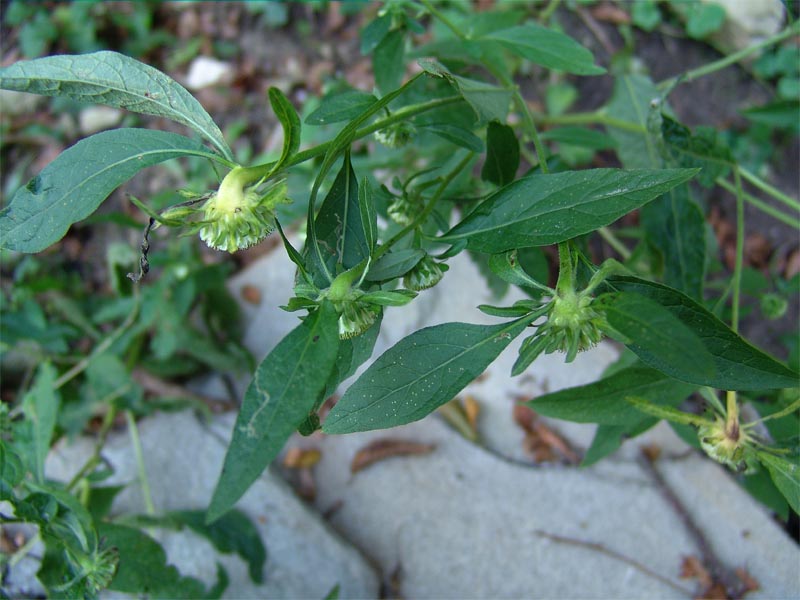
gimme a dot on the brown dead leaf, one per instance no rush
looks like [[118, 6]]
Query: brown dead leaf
[[301, 458], [792, 264], [651, 451], [750, 583], [251, 294], [758, 250], [541, 442], [611, 13], [472, 409], [693, 568], [386, 448]]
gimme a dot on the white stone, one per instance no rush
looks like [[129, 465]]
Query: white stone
[[17, 103], [98, 118], [305, 558], [205, 72], [747, 22]]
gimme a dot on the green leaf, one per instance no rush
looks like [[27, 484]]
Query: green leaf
[[604, 401], [72, 186], [285, 388], [340, 107], [667, 413], [143, 567], [232, 532], [506, 265], [457, 135], [547, 48], [702, 149], [645, 14], [580, 136], [418, 374], [290, 122], [395, 264], [369, 216], [546, 209], [739, 366], [657, 337], [375, 31], [489, 102], [114, 80], [11, 471], [704, 19], [630, 102], [353, 352], [502, 154], [40, 407], [676, 227], [786, 476], [339, 225], [776, 114], [761, 487], [387, 61]]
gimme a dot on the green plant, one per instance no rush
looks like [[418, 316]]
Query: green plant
[[435, 127]]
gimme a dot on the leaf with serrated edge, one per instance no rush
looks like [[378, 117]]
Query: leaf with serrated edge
[[539, 210], [285, 388], [71, 187], [418, 374], [114, 80]]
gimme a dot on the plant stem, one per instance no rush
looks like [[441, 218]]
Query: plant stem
[[422, 216], [737, 267], [81, 366], [614, 242], [255, 172], [137, 449], [587, 118], [445, 21], [768, 189], [549, 10], [566, 270], [94, 459], [728, 60], [760, 204], [23, 550]]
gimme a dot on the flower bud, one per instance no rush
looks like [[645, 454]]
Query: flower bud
[[237, 217], [404, 209], [426, 274], [723, 443], [396, 135]]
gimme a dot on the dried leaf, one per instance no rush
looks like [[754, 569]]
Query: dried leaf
[[251, 294], [693, 568], [611, 13], [750, 582], [301, 458], [472, 409], [386, 448]]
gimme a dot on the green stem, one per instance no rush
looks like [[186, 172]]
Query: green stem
[[588, 118], [548, 11], [94, 459], [614, 242], [566, 270], [422, 216], [728, 60], [256, 172], [137, 450], [445, 21], [81, 366], [737, 268], [768, 189], [760, 204]]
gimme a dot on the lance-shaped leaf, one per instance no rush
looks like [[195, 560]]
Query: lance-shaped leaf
[[418, 374], [657, 337], [546, 209], [341, 107], [785, 474], [604, 401], [395, 264], [502, 154], [72, 186], [290, 122], [738, 365], [285, 388], [114, 80], [548, 48], [339, 224], [40, 407]]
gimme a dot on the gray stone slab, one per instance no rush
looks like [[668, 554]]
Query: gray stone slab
[[183, 459]]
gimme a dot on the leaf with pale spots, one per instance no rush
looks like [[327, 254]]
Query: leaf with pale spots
[[419, 374], [284, 390]]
